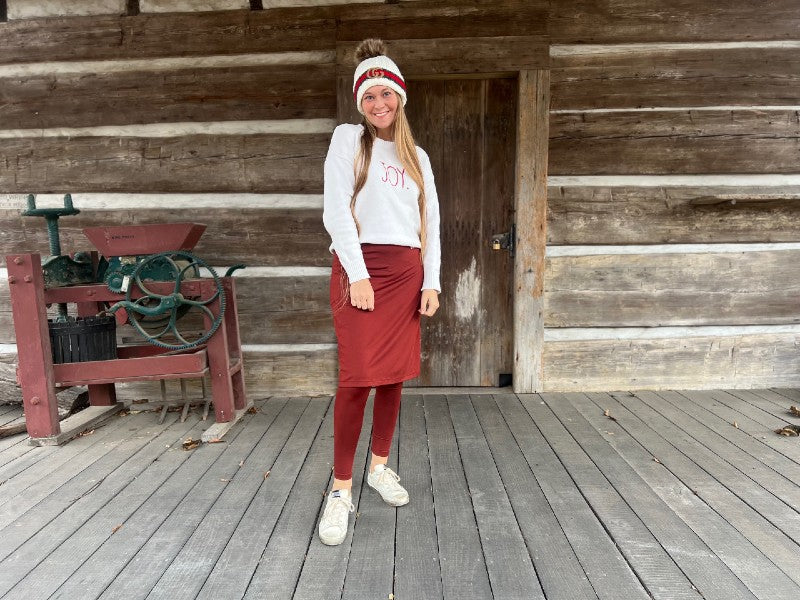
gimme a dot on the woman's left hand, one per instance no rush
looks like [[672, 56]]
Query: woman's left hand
[[429, 303]]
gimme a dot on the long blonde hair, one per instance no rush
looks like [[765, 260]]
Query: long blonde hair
[[406, 151]]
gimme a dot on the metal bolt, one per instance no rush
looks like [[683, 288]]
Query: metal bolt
[[18, 260], [28, 278], [35, 400], [12, 279]]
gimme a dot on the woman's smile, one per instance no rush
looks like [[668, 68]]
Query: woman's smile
[[380, 107]]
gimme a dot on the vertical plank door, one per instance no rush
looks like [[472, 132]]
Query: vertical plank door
[[468, 129]]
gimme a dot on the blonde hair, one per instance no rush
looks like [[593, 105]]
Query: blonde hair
[[409, 159]]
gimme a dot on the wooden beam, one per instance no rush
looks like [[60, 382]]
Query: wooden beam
[[160, 35], [672, 214], [665, 142], [458, 56], [200, 163], [626, 21], [758, 360], [676, 76], [652, 290], [531, 215], [230, 93]]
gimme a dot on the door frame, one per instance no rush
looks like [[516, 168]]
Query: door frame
[[530, 195]]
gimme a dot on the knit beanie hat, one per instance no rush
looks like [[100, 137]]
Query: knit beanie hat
[[375, 68]]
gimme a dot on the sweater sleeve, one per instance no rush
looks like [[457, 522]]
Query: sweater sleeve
[[431, 261], [338, 189]]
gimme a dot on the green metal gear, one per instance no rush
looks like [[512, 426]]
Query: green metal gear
[[172, 306]]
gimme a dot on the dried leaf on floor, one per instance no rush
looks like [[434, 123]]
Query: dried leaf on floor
[[116, 528], [607, 413], [85, 433], [267, 474], [794, 410], [252, 410], [735, 424], [789, 430], [190, 444], [656, 460]]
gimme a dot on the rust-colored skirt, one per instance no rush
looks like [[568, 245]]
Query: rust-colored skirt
[[380, 346]]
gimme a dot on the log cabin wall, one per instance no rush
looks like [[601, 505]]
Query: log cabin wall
[[673, 177], [673, 194]]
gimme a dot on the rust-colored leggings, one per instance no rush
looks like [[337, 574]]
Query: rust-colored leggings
[[348, 416]]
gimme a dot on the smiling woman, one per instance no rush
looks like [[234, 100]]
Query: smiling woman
[[382, 213]]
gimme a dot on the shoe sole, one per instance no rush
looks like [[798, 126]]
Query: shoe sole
[[388, 501], [331, 541]]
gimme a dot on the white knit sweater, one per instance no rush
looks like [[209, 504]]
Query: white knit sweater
[[387, 208]]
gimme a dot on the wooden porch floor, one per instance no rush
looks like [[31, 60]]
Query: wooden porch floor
[[669, 495]]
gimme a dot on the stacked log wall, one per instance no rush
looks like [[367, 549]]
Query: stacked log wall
[[674, 191], [218, 117]]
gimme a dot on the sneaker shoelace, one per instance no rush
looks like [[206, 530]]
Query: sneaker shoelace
[[336, 505], [388, 477]]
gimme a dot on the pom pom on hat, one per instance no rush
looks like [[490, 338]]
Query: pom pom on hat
[[375, 68]]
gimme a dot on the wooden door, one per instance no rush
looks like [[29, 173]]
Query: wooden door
[[468, 127]]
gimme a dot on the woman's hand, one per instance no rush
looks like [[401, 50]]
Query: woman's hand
[[361, 295], [429, 303]]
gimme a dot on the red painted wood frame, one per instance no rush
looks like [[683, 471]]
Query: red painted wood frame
[[39, 378]]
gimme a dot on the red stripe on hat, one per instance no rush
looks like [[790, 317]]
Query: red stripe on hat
[[376, 73]]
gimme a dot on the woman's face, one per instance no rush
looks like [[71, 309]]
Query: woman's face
[[379, 104]]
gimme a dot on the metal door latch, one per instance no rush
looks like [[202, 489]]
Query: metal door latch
[[505, 241]]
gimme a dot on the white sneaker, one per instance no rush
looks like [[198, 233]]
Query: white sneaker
[[384, 480], [333, 524]]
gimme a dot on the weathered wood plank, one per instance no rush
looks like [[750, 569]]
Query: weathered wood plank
[[194, 163], [324, 567], [530, 207], [510, 569], [458, 56], [745, 418], [282, 560], [653, 538], [417, 567], [50, 465], [187, 34], [626, 21], [139, 574], [736, 447], [431, 19], [59, 564], [753, 360], [204, 468], [464, 574], [32, 537], [769, 401], [753, 565], [165, 96], [745, 288], [230, 574], [664, 214], [600, 557], [665, 142], [676, 78], [557, 567], [778, 513], [188, 570]]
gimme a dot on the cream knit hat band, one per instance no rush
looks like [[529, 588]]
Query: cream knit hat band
[[378, 70]]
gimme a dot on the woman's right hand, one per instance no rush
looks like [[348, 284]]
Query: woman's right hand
[[361, 295]]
